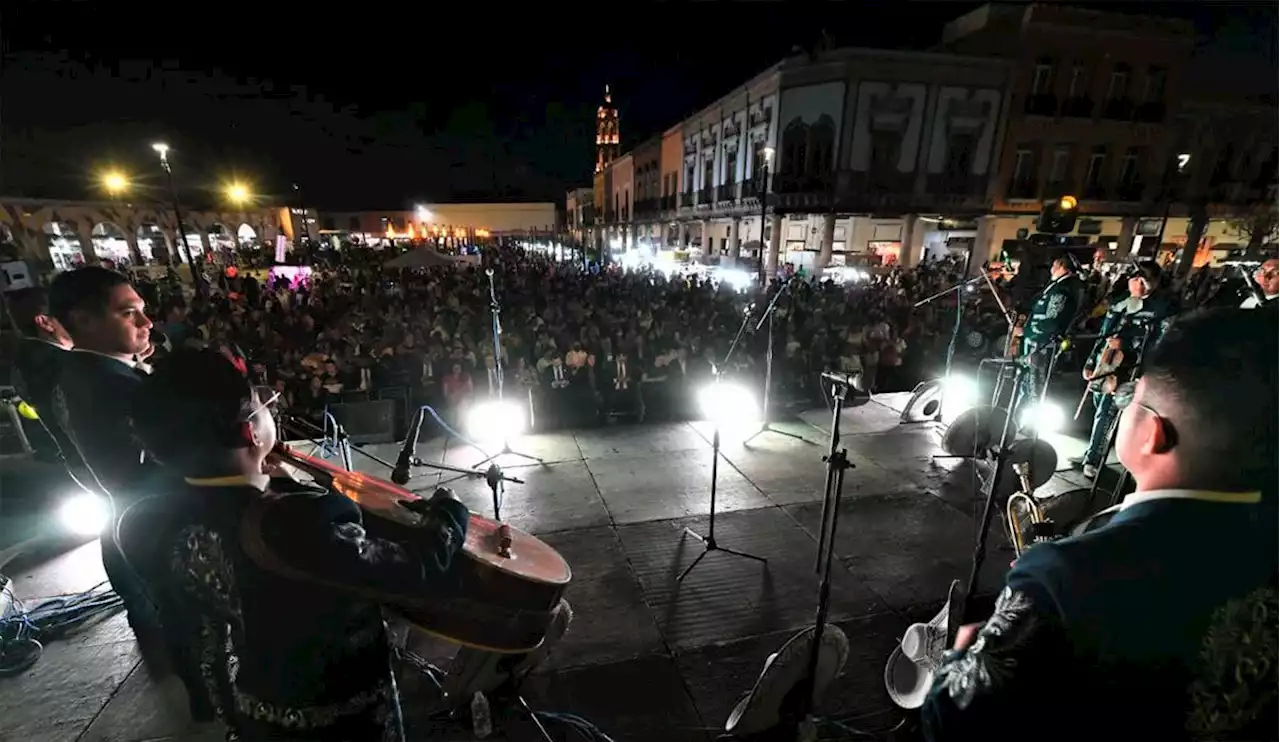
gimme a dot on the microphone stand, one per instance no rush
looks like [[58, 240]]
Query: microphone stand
[[955, 333], [765, 425], [495, 310], [709, 543], [301, 426]]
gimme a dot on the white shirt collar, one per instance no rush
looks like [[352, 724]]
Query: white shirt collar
[[47, 342], [130, 363], [1234, 498]]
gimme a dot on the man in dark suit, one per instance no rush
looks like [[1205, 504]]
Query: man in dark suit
[[1159, 624], [1053, 312], [100, 375]]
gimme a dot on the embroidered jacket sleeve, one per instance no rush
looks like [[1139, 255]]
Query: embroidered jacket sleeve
[[1009, 673], [324, 535]]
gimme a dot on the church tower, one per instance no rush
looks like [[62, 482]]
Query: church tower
[[606, 132]]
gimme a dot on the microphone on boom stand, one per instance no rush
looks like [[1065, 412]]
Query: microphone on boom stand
[[402, 473]]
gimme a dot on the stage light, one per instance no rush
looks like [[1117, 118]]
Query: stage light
[[84, 514], [729, 405], [739, 280], [959, 393], [1042, 417], [496, 421]]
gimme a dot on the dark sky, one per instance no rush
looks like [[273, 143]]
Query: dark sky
[[373, 105]]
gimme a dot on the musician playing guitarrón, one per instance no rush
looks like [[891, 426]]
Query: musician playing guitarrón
[[280, 658], [1131, 325], [1159, 624], [1052, 313]]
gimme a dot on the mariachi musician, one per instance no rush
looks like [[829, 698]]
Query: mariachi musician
[[1132, 325], [1053, 311], [278, 659], [1264, 287]]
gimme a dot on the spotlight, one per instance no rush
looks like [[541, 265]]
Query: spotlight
[[496, 421], [729, 405], [84, 514], [959, 393], [1042, 417]]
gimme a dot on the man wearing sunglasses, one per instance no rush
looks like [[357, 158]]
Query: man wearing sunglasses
[[1159, 623]]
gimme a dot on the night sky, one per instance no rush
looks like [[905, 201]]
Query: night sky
[[371, 105]]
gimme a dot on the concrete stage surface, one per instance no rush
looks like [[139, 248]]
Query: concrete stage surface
[[645, 659]]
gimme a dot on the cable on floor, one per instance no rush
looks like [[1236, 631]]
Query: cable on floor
[[24, 632]]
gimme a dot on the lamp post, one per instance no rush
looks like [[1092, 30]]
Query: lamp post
[[764, 206], [197, 275]]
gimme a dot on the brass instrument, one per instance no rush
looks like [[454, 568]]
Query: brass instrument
[[1039, 528]]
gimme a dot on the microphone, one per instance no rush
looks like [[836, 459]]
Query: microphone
[[401, 473], [849, 380]]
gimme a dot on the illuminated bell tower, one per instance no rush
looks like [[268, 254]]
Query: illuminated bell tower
[[606, 132]]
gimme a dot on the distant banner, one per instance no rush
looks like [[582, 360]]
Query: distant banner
[[282, 244]]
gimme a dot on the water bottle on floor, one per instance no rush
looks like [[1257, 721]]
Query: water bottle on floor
[[481, 721]]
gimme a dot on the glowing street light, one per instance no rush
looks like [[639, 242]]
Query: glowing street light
[[162, 150], [238, 193], [115, 182]]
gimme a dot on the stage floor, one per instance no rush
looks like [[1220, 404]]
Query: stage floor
[[645, 658]]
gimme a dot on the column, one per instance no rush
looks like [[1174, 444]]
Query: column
[[828, 242], [775, 240], [983, 247], [912, 248], [1124, 243], [706, 237], [735, 248], [682, 236]]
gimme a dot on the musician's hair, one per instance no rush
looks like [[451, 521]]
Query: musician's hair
[[191, 408], [1217, 368], [25, 305], [83, 289]]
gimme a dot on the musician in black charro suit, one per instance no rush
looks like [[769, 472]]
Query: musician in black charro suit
[[1053, 311], [278, 658], [1159, 624], [1132, 325]]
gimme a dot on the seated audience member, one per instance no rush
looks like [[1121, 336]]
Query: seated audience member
[[1161, 623]]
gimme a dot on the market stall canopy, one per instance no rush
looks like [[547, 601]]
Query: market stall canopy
[[421, 257]]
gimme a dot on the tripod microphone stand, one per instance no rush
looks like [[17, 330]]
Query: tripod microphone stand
[[495, 309], [765, 425], [709, 543]]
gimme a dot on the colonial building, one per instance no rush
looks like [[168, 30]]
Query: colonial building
[[885, 156], [607, 134], [580, 215], [427, 219], [57, 235]]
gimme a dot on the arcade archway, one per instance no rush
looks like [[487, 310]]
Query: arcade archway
[[153, 245], [247, 237], [111, 243], [65, 250]]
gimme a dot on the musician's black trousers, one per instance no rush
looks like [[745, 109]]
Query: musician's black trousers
[[127, 583]]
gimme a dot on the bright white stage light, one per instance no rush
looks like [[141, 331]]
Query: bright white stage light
[[496, 421], [738, 279], [959, 394], [729, 405], [85, 514], [1043, 417]]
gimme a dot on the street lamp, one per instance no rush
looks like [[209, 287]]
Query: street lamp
[[764, 205], [162, 149], [238, 193], [115, 182]]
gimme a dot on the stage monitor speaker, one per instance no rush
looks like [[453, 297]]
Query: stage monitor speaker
[[367, 422]]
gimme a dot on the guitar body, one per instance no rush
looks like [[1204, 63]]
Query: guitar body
[[508, 582]]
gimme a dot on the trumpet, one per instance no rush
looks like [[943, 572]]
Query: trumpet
[[1038, 529]]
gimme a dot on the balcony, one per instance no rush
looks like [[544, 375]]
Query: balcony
[[1079, 107], [1149, 113], [704, 196], [1023, 189], [1118, 109], [726, 192], [804, 183], [750, 188], [686, 200], [1042, 105]]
